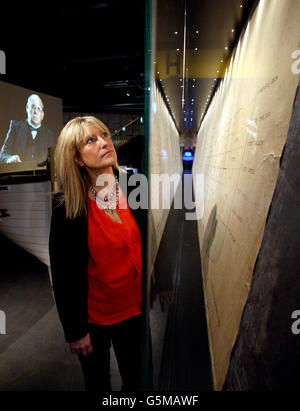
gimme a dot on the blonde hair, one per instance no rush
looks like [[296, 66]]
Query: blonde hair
[[73, 180]]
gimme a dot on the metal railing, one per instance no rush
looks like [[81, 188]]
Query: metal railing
[[128, 131]]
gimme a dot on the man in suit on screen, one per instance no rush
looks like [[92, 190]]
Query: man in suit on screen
[[28, 140]]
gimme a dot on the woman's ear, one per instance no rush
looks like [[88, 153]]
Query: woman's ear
[[79, 162]]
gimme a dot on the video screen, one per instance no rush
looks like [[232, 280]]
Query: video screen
[[30, 123]]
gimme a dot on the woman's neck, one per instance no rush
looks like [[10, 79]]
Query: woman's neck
[[97, 176]]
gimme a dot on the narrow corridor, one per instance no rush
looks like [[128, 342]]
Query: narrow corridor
[[185, 357]]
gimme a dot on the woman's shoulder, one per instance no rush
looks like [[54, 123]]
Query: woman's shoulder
[[59, 211], [58, 202]]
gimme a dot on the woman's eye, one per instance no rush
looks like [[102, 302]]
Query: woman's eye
[[92, 139]]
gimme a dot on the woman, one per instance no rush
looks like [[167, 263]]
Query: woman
[[95, 256]]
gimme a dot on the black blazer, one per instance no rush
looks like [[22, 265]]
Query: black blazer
[[19, 141], [68, 249]]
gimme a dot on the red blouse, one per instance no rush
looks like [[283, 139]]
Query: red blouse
[[115, 265]]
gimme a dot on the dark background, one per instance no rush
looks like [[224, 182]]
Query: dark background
[[89, 53]]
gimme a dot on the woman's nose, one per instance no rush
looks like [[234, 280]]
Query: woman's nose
[[102, 141]]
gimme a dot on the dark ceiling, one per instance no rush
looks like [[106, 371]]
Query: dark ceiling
[[194, 41], [91, 53]]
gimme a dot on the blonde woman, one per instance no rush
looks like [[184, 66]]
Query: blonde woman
[[95, 255]]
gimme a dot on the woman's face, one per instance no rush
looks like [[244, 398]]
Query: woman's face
[[97, 150]]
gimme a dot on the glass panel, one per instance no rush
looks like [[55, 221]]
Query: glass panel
[[147, 360], [165, 71]]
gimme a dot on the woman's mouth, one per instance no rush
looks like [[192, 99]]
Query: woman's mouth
[[108, 152]]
